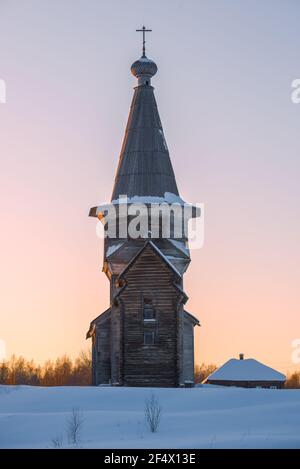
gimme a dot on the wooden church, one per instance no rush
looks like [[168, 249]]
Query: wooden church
[[146, 336]]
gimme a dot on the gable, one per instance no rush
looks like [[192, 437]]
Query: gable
[[150, 246], [101, 318]]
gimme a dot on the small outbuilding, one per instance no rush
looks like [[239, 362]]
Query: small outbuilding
[[246, 373]]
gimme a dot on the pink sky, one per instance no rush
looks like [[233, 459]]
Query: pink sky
[[223, 90]]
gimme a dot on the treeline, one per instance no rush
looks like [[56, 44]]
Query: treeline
[[293, 380], [61, 372], [78, 372], [203, 371]]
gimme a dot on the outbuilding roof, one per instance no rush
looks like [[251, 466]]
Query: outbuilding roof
[[245, 370]]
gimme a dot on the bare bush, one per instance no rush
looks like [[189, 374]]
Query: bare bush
[[74, 426], [57, 442], [153, 412]]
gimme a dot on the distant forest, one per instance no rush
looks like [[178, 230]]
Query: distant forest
[[65, 371], [61, 372]]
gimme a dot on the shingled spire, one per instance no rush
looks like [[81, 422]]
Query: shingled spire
[[144, 166]]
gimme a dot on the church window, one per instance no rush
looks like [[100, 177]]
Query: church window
[[149, 338], [148, 310]]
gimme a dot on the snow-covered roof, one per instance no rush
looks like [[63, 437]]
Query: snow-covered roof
[[181, 246], [105, 209], [111, 249], [168, 197], [245, 370]]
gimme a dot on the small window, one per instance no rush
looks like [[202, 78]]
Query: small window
[[147, 82], [148, 310], [149, 338]]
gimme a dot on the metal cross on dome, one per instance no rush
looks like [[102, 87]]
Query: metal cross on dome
[[144, 31]]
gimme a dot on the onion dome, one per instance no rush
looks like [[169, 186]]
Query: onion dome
[[144, 67]]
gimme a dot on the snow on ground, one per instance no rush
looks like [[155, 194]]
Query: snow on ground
[[200, 417]]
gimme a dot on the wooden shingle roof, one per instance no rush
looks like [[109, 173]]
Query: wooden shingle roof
[[144, 167]]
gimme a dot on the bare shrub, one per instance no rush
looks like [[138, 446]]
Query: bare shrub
[[57, 442], [74, 426], [153, 412]]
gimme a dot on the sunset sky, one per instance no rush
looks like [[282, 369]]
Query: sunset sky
[[223, 89]]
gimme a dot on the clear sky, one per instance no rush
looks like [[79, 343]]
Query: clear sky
[[223, 89]]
